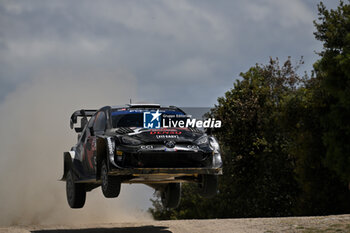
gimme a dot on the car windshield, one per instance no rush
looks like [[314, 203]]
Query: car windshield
[[135, 117]]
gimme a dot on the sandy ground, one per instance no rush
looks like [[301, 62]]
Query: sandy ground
[[336, 223]]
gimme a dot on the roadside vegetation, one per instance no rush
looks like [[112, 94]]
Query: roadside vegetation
[[285, 138]]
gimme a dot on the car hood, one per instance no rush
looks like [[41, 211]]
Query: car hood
[[164, 134]]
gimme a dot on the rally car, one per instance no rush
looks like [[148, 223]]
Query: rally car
[[128, 144]]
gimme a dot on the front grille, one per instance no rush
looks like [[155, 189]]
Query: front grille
[[165, 159]]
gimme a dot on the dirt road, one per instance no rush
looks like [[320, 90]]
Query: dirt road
[[337, 223]]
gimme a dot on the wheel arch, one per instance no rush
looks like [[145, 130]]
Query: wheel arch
[[101, 154], [67, 163]]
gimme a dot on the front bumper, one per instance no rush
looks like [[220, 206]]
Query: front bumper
[[159, 156]]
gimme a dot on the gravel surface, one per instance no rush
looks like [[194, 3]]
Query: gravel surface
[[334, 223]]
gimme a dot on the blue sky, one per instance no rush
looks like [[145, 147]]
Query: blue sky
[[181, 52]]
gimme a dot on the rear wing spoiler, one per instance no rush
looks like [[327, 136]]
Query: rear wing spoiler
[[84, 113]]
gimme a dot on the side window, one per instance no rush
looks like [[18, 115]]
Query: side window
[[100, 123]]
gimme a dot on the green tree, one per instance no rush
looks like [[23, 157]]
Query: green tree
[[317, 183], [333, 70], [260, 179], [258, 175]]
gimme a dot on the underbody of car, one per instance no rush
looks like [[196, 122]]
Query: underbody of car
[[114, 147]]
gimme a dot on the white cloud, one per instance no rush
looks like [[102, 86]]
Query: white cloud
[[178, 20], [47, 48], [286, 13], [154, 40]]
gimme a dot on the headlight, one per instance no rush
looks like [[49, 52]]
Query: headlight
[[202, 140], [130, 141], [214, 144], [217, 162]]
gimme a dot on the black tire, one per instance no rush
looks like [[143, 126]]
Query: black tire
[[208, 185], [171, 195], [110, 184], [76, 193]]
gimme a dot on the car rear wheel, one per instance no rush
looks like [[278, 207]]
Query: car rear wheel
[[110, 184], [171, 195], [76, 193], [208, 185]]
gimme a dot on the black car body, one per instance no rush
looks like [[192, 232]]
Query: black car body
[[113, 147]]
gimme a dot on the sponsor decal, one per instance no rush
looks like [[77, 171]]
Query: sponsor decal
[[165, 136], [193, 147], [162, 129], [110, 145], [146, 147], [166, 132]]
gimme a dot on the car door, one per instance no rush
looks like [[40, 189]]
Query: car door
[[79, 149], [87, 148]]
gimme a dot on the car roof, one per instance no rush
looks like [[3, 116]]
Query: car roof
[[145, 106]]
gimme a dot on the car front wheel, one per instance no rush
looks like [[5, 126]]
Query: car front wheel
[[110, 184], [171, 195], [208, 185], [76, 193]]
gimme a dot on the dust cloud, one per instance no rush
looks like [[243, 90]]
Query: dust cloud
[[34, 132]]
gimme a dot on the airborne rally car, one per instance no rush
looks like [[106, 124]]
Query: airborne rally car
[[140, 143]]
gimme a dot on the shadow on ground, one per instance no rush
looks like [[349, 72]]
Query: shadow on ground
[[142, 229]]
